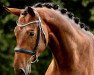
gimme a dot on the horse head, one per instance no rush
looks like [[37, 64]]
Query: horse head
[[31, 37]]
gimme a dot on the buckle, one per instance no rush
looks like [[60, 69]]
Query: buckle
[[33, 59]]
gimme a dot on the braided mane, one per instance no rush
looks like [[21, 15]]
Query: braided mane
[[63, 11]]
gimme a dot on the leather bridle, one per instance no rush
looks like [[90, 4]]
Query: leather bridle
[[40, 32]]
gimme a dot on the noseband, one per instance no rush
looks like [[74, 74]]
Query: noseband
[[40, 32]]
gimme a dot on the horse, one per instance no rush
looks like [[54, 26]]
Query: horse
[[71, 42]]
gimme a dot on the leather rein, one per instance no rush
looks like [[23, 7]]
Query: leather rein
[[40, 32]]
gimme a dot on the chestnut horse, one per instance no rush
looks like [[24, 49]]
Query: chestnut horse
[[45, 24]]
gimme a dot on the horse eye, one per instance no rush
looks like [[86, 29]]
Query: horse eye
[[31, 34]]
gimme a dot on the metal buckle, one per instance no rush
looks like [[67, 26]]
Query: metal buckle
[[36, 59], [31, 58]]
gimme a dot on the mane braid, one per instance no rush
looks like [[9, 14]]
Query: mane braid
[[48, 5], [76, 19], [82, 25], [38, 5], [70, 15], [63, 11]]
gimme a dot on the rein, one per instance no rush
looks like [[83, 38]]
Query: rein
[[40, 32]]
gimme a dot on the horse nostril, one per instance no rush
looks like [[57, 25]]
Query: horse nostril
[[21, 72]]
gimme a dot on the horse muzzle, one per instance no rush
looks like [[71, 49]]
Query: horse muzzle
[[21, 72]]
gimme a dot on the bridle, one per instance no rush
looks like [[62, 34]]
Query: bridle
[[40, 32]]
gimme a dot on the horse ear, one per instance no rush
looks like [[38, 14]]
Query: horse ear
[[14, 11], [30, 11]]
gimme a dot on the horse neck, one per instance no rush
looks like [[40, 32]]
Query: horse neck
[[61, 35]]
